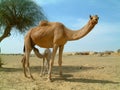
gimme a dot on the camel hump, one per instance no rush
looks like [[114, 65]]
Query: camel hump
[[43, 23]]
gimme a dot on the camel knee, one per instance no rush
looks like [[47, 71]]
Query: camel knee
[[51, 63], [27, 64], [23, 59]]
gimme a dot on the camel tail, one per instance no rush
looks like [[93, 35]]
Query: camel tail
[[37, 53], [30, 42]]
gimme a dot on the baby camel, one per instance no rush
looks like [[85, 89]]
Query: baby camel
[[46, 59], [53, 35]]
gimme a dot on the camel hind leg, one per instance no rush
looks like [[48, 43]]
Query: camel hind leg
[[27, 55], [23, 63], [28, 46]]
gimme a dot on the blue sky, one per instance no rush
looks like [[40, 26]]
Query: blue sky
[[74, 14]]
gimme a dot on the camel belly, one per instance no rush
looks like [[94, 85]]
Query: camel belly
[[44, 43], [48, 43]]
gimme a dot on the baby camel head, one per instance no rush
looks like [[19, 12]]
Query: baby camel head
[[94, 19]]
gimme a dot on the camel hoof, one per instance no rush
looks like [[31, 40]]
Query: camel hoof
[[49, 80], [27, 76], [32, 77], [41, 75]]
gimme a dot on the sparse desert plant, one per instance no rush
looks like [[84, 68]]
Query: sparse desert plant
[[118, 51], [1, 62]]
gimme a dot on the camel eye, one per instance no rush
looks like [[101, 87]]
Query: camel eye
[[91, 18]]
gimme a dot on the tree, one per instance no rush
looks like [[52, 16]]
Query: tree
[[19, 14]]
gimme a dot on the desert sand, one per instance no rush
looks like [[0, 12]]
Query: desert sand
[[80, 72]]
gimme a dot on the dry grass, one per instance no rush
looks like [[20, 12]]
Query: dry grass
[[79, 73]]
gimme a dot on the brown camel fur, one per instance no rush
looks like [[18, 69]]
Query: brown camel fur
[[53, 35]]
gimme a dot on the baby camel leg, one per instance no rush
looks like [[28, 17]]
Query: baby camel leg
[[47, 63], [42, 67], [45, 67]]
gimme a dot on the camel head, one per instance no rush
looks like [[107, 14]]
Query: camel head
[[94, 19]]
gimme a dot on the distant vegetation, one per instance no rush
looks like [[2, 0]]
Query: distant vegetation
[[118, 51], [104, 53]]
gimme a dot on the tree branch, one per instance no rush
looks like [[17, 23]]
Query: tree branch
[[6, 33]]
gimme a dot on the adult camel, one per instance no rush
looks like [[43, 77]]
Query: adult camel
[[53, 35]]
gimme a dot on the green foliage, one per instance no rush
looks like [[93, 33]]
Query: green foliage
[[21, 14]]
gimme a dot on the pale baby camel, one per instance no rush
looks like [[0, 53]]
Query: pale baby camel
[[53, 35], [46, 59]]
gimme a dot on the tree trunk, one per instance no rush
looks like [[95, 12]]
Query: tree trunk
[[6, 33]]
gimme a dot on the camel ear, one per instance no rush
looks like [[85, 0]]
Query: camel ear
[[97, 16], [90, 17]]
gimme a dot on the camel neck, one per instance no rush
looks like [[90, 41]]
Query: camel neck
[[75, 35]]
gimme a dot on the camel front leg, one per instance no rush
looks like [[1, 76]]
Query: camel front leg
[[52, 62], [60, 59]]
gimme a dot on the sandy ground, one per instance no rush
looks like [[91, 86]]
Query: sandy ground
[[80, 72]]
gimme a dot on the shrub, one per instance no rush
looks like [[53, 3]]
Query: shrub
[[118, 51], [1, 63]]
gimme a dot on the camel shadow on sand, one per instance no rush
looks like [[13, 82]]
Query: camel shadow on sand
[[66, 69], [9, 69], [67, 76], [69, 72], [70, 78], [84, 80]]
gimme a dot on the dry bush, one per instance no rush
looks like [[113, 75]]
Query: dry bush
[[1, 62]]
